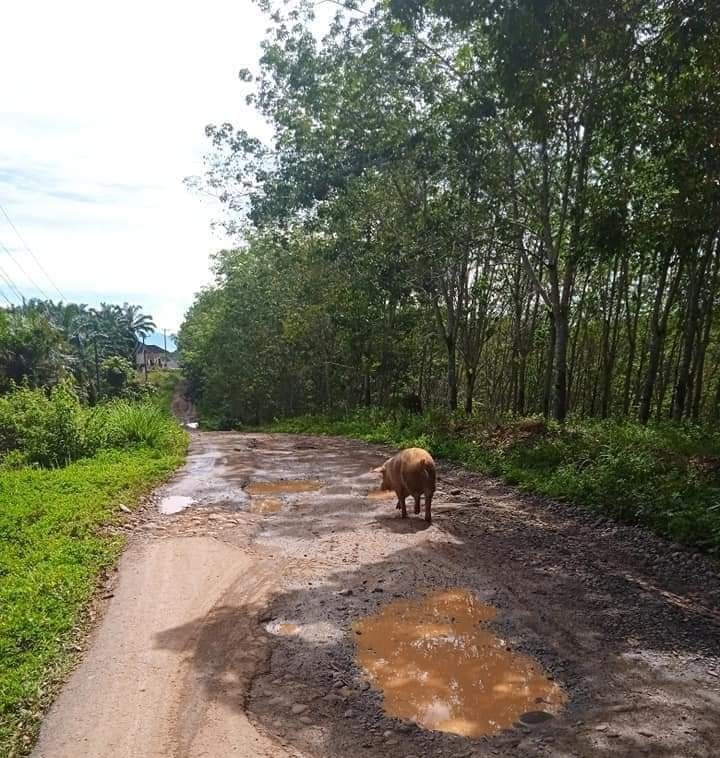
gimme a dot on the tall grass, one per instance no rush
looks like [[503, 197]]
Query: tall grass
[[51, 429]]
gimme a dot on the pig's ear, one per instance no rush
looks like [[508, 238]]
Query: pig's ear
[[379, 469]]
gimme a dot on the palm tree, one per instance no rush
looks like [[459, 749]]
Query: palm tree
[[140, 324]]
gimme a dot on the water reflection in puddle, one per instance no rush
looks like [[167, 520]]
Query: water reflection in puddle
[[175, 504], [439, 666], [265, 505], [288, 486], [282, 628]]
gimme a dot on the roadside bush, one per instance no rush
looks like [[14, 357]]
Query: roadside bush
[[117, 375], [52, 429], [47, 429]]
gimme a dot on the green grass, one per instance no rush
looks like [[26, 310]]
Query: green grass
[[53, 549], [666, 478]]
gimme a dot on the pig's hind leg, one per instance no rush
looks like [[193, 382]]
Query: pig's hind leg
[[428, 503], [417, 504], [401, 504]]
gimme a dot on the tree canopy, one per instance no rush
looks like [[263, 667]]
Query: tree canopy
[[41, 341], [515, 205]]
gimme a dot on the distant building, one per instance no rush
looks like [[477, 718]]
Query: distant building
[[155, 356]]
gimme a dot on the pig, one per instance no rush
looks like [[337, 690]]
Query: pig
[[410, 472]]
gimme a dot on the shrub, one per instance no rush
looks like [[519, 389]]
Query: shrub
[[46, 428], [117, 375], [53, 429]]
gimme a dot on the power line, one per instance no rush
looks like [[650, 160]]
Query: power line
[[27, 274], [9, 302], [34, 257], [11, 284]]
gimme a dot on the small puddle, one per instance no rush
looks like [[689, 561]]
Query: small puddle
[[381, 495], [282, 628], [265, 505], [438, 665], [286, 487], [175, 504]]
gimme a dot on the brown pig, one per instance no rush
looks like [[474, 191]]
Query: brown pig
[[410, 472]]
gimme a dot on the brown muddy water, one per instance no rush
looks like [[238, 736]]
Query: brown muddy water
[[283, 628], [264, 505], [381, 495], [439, 665], [285, 487]]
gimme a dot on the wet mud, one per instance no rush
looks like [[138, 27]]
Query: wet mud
[[265, 505], [286, 487], [439, 664]]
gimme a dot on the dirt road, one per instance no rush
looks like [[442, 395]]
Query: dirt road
[[230, 628]]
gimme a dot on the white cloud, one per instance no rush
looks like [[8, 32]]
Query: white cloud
[[102, 114]]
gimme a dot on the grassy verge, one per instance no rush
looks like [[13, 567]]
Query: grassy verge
[[53, 549], [665, 478]]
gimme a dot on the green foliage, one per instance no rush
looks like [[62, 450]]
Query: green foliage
[[41, 342], [30, 349], [45, 428], [162, 384], [666, 478], [128, 424], [512, 205], [117, 374], [52, 549], [53, 428]]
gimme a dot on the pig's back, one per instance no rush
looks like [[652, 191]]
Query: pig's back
[[416, 470]]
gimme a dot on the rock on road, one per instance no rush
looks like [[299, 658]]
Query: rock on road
[[184, 662]]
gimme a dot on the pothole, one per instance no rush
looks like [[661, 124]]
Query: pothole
[[283, 487], [438, 664], [264, 505], [174, 504]]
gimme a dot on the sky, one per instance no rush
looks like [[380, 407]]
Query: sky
[[102, 114]]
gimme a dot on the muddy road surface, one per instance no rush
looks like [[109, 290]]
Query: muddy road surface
[[511, 626]]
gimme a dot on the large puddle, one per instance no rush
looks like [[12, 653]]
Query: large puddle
[[439, 665], [285, 487]]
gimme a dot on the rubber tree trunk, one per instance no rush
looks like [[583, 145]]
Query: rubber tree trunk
[[560, 404], [452, 389], [689, 330], [470, 378], [549, 362]]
